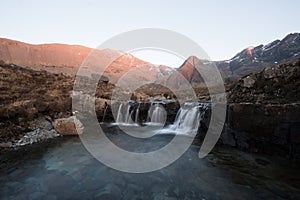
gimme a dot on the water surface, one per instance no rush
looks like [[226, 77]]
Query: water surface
[[63, 169]]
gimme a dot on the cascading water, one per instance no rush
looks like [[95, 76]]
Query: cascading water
[[104, 113], [150, 112], [156, 114], [120, 114], [137, 112], [125, 114], [187, 120]]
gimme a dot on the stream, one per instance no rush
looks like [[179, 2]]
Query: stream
[[61, 168]]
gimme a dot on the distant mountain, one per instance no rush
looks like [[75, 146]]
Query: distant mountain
[[62, 58], [250, 60]]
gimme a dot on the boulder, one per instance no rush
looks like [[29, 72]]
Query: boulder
[[42, 123], [68, 126], [248, 82]]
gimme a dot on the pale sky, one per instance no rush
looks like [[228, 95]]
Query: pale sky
[[221, 28]]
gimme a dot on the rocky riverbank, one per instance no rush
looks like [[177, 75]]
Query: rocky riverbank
[[31, 101], [262, 114]]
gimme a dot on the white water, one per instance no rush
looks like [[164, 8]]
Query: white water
[[125, 114], [104, 113], [120, 114], [156, 114], [187, 120]]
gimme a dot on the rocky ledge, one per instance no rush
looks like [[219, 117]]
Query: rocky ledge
[[271, 128]]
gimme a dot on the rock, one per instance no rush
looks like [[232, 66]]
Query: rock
[[68, 126], [41, 123], [295, 134], [5, 144], [249, 127], [228, 138], [269, 72], [248, 82], [36, 136]]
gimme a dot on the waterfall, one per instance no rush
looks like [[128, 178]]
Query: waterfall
[[187, 120], [156, 114], [149, 112], [120, 115], [104, 113], [125, 114], [137, 112], [127, 118]]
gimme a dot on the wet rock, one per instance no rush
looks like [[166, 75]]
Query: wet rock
[[228, 138], [250, 128], [36, 136], [6, 144], [68, 126]]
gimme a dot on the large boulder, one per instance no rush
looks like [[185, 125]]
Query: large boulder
[[68, 126]]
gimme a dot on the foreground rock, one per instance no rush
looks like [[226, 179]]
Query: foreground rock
[[32, 100], [37, 135], [68, 126], [272, 128]]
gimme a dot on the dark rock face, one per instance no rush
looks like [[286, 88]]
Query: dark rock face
[[271, 128]]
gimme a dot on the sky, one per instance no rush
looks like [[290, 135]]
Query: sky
[[221, 27]]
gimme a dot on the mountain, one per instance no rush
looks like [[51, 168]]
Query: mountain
[[250, 60], [129, 70], [66, 59]]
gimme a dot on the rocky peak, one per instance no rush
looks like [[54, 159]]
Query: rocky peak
[[249, 60]]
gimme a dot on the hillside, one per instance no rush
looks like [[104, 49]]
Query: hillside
[[66, 59], [26, 95], [277, 84]]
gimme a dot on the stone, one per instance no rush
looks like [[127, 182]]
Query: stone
[[36, 136], [269, 72], [41, 123], [248, 82], [68, 126], [5, 144]]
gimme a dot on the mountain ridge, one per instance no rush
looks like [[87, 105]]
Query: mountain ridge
[[249, 60], [67, 58]]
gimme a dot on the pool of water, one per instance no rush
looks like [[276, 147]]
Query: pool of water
[[62, 168]]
